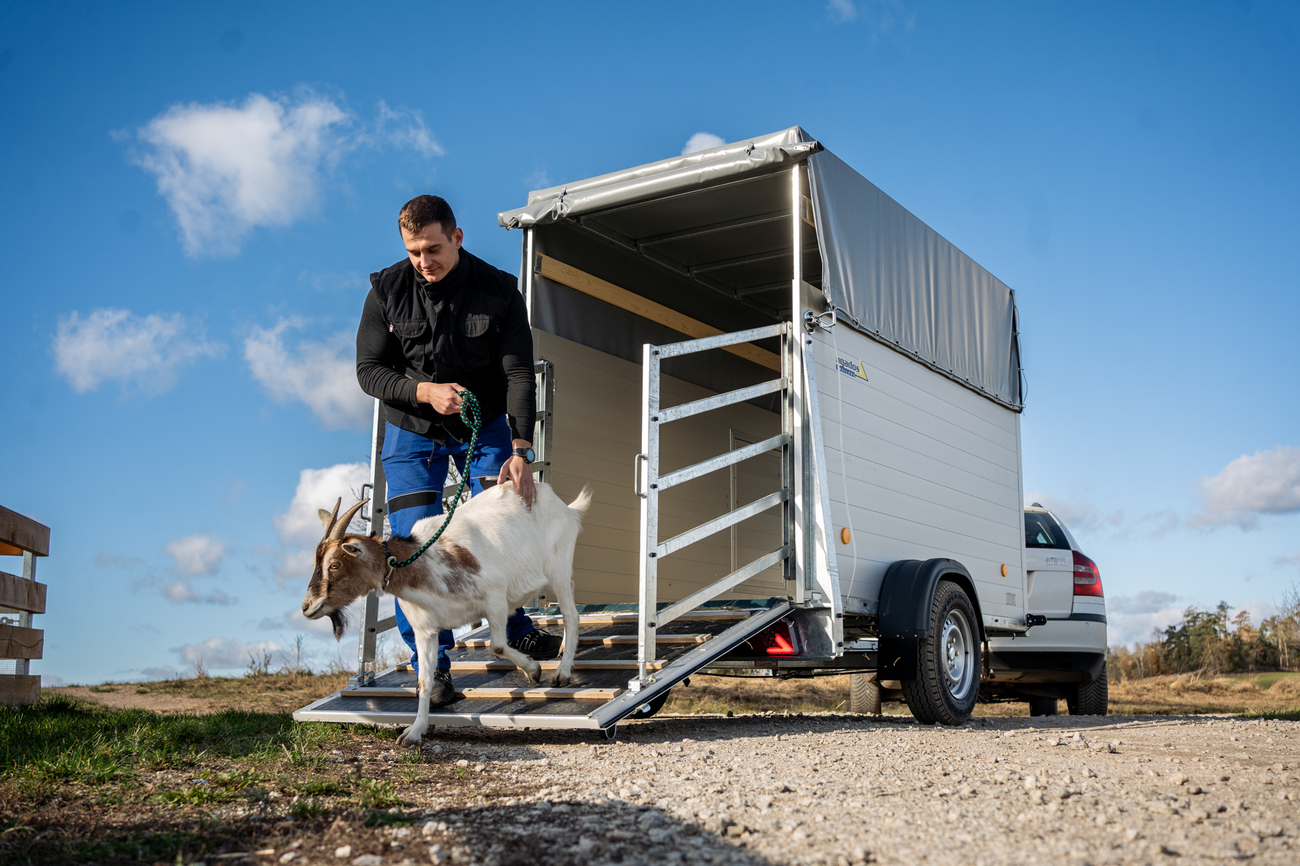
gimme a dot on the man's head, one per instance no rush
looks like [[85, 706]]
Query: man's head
[[431, 237]]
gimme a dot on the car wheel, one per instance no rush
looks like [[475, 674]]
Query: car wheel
[[1040, 706], [1090, 699], [864, 694], [949, 661]]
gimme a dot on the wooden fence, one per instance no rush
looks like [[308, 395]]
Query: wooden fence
[[20, 598]]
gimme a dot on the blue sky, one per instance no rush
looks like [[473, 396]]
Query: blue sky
[[194, 195]]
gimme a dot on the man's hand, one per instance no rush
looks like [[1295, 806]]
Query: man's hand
[[516, 469], [444, 397]]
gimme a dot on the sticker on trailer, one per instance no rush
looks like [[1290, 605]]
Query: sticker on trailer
[[851, 367]]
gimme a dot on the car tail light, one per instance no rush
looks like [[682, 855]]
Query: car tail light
[[1087, 578]]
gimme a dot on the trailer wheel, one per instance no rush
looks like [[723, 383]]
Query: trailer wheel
[[864, 694], [1089, 699], [948, 665], [1041, 706]]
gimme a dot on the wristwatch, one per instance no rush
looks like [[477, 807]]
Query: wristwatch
[[526, 453]]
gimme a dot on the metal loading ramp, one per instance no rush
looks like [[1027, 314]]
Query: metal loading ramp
[[605, 688]]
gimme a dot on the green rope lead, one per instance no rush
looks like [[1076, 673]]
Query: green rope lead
[[469, 413]]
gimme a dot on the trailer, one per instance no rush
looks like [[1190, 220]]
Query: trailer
[[799, 409]]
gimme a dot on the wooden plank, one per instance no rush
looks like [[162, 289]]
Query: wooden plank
[[554, 664], [633, 616], [19, 533], [646, 309], [21, 594], [16, 689], [17, 642], [606, 640], [539, 693]]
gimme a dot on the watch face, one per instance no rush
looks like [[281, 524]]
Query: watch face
[[526, 453]]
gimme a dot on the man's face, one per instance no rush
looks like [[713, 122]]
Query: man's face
[[433, 252]]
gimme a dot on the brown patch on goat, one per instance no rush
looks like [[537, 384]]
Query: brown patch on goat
[[461, 566]]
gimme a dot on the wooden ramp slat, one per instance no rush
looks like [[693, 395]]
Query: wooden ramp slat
[[17, 642], [539, 693], [18, 593], [19, 534], [632, 616], [554, 664], [602, 640]]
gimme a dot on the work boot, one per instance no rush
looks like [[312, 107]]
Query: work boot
[[441, 691], [538, 644]]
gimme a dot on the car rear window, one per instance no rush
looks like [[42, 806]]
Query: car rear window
[[1042, 531]]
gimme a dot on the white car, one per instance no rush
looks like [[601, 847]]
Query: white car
[[1066, 656]]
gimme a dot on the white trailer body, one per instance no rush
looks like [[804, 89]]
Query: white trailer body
[[795, 402]]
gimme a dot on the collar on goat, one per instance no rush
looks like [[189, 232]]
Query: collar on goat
[[469, 413]]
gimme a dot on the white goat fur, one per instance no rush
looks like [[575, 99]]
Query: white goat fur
[[519, 552]]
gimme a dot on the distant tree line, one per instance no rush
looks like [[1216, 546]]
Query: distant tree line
[[1207, 641]]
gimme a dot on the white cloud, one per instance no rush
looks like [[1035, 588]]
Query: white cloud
[[224, 653], [842, 11], [1266, 482], [298, 527], [1079, 516], [321, 374], [539, 179], [1136, 618], [226, 168], [182, 592], [404, 129], [196, 554], [702, 141], [117, 344]]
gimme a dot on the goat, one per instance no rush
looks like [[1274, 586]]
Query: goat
[[495, 554]]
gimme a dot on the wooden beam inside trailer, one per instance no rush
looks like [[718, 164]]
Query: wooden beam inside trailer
[[584, 282]]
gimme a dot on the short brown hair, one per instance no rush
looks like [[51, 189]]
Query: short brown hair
[[424, 209]]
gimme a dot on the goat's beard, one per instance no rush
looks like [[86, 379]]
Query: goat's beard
[[340, 620]]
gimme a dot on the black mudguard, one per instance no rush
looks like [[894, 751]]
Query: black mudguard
[[905, 598]]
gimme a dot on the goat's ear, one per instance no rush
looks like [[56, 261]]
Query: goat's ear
[[325, 517], [352, 547]]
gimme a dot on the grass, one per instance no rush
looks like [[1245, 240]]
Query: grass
[[80, 782]]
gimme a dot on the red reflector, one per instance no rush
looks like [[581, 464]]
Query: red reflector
[[1087, 577], [780, 645]]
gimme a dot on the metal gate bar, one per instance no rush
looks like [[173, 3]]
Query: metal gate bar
[[649, 484]]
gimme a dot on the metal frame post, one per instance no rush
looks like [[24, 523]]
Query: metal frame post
[[23, 667], [647, 486], [799, 422]]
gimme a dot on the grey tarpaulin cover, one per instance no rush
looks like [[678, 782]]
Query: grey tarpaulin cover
[[884, 271], [897, 279]]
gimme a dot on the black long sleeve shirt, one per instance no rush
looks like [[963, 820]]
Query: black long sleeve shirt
[[471, 327]]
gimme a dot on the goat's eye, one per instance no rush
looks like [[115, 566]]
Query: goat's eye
[[334, 565]]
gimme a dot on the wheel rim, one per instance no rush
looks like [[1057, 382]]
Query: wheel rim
[[958, 667]]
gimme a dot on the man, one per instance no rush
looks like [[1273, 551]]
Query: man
[[439, 322]]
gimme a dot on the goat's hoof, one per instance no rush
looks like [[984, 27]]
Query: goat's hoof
[[562, 679], [410, 738], [534, 673]]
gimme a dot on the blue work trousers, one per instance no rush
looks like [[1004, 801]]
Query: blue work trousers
[[416, 470]]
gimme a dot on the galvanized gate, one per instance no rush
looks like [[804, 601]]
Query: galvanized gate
[[650, 483]]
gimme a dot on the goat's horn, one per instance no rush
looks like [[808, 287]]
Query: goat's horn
[[328, 520], [341, 527]]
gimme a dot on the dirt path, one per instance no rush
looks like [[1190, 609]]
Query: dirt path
[[846, 790]]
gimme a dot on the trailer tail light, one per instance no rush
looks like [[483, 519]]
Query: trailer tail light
[[777, 639], [1087, 578]]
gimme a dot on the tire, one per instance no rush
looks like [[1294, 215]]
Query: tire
[[1090, 699], [864, 695], [948, 661], [1040, 706]]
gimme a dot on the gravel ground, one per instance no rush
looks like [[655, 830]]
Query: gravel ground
[[847, 789]]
